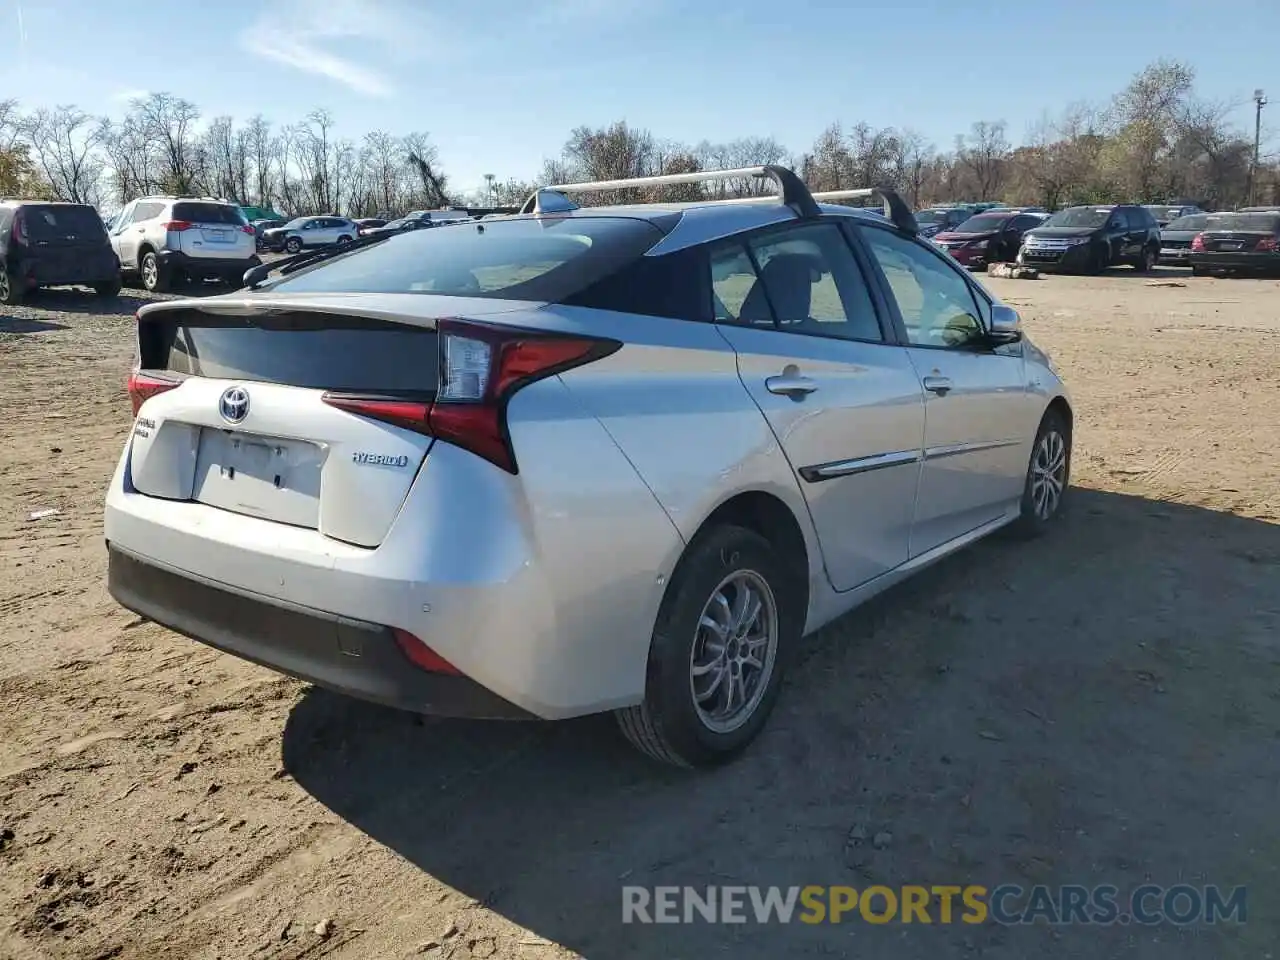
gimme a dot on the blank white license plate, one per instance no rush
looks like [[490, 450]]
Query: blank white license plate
[[1230, 246], [218, 236], [259, 476]]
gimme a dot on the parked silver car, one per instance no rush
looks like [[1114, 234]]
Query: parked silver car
[[579, 460], [310, 232]]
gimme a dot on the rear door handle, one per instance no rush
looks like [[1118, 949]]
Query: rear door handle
[[939, 385], [790, 385]]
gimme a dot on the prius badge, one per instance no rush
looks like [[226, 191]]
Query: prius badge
[[234, 404]]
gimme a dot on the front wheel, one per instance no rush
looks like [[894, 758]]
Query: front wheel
[[293, 245], [729, 616], [1146, 261], [1048, 475], [343, 240], [1099, 260]]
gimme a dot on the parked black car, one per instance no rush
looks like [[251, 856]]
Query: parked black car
[[1176, 237], [53, 245], [260, 227], [991, 237], [1166, 213], [1091, 239], [935, 220], [1238, 243]]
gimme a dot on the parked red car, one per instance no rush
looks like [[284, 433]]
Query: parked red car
[[990, 237]]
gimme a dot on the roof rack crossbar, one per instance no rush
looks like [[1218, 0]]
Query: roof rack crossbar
[[791, 190]]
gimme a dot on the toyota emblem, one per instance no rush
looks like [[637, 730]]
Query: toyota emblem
[[234, 405]]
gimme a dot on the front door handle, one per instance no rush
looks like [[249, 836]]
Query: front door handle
[[939, 385], [791, 385]]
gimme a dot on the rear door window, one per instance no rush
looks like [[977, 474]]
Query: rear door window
[[808, 282], [209, 213], [147, 210]]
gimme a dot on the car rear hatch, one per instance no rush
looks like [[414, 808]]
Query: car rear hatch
[[233, 412], [212, 230], [1241, 233], [1235, 241], [64, 243]]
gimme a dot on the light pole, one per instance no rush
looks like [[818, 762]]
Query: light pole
[[1260, 101], [489, 177]]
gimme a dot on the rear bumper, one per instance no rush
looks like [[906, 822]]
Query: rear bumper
[[1175, 256], [352, 657], [1236, 260], [208, 268], [82, 270]]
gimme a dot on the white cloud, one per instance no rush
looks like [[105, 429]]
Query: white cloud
[[323, 39], [132, 93]]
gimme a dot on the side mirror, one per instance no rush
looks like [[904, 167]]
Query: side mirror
[[1006, 325]]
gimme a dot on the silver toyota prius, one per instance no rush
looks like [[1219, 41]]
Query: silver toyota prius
[[581, 458]]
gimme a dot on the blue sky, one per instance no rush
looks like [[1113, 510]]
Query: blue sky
[[499, 83]]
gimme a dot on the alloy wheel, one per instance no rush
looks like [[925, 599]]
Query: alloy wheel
[[4, 285], [734, 651], [150, 272], [1048, 474]]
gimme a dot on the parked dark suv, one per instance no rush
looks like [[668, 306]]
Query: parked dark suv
[[52, 245], [1091, 239]]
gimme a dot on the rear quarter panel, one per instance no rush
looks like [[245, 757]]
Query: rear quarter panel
[[673, 401]]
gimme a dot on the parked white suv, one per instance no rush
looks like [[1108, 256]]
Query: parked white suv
[[579, 459], [310, 232], [161, 240]]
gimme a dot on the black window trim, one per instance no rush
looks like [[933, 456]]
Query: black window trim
[[888, 333], [979, 295]]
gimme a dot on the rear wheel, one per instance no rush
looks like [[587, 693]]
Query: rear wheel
[[11, 289], [730, 615], [155, 278], [343, 240], [1146, 262], [293, 245], [108, 288], [1199, 271], [1048, 476]]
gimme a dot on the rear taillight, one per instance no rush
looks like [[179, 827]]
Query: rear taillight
[[19, 229], [1198, 242], [422, 656], [1266, 243], [144, 386], [481, 367], [249, 230], [177, 226]]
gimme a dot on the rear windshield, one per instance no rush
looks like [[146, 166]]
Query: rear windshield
[[537, 259], [318, 351], [209, 213], [1197, 221], [62, 222], [1254, 222]]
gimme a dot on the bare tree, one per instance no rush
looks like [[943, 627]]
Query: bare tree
[[984, 154], [167, 125], [64, 141]]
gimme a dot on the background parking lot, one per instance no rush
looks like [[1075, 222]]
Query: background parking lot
[[1101, 706]]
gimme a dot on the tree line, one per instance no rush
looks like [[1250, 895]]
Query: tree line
[[1156, 140]]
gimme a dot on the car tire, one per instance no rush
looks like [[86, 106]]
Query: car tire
[[110, 289], [343, 240], [1048, 478], [293, 245], [682, 720], [11, 290], [1099, 261], [155, 276], [1146, 261], [1199, 272]]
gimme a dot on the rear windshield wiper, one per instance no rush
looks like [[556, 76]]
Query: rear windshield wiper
[[255, 275]]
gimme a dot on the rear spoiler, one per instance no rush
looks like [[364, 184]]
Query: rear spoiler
[[792, 192]]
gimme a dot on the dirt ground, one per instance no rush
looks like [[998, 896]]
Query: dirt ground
[[1102, 706]]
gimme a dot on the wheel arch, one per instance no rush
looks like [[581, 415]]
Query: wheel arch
[[770, 516], [1062, 407]]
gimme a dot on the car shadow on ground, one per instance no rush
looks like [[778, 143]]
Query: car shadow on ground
[[1098, 706], [72, 300], [27, 325]]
